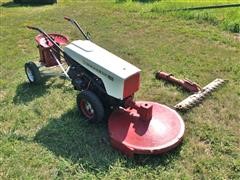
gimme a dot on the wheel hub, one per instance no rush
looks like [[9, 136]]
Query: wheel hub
[[30, 74], [87, 108]]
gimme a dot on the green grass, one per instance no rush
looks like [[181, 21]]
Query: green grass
[[227, 18], [41, 133]]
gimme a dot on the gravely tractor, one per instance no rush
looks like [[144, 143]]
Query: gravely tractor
[[107, 83]]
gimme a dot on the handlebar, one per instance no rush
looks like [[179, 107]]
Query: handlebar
[[78, 26], [34, 28], [46, 36], [67, 18]]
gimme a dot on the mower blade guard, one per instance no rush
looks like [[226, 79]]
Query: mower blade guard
[[197, 98]]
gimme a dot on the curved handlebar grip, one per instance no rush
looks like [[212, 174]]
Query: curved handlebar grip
[[36, 29], [67, 18], [77, 25], [31, 27]]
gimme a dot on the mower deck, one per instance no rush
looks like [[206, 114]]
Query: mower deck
[[146, 128]]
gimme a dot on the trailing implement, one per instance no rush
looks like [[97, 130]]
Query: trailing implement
[[198, 97]]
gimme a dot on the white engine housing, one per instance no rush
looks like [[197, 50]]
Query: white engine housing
[[119, 77]]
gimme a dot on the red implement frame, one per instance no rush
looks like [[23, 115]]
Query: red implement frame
[[48, 51], [184, 83]]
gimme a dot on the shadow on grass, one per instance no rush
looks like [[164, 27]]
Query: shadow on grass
[[88, 144], [77, 140], [12, 4], [141, 1], [27, 92]]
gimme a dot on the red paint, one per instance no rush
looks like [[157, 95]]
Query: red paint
[[145, 128], [85, 110], [145, 111], [185, 83], [46, 57], [131, 85], [44, 46], [58, 38]]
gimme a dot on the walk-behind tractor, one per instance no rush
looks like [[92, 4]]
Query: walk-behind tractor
[[107, 83]]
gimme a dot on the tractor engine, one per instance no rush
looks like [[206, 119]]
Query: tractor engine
[[93, 68]]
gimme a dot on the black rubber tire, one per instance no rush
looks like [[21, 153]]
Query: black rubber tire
[[95, 103], [36, 76]]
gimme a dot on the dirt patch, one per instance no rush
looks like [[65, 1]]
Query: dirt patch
[[237, 36], [2, 95]]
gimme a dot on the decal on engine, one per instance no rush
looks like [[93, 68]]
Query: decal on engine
[[98, 70]]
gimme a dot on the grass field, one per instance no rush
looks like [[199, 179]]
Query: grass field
[[41, 133], [225, 18]]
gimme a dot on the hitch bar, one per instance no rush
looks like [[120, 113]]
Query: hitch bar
[[184, 83]]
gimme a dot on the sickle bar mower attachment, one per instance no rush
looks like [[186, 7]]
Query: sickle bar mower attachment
[[197, 98], [184, 83], [199, 93]]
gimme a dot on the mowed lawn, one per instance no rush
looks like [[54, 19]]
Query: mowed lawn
[[225, 18], [41, 133]]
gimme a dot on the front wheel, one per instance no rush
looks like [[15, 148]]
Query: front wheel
[[90, 106], [32, 72]]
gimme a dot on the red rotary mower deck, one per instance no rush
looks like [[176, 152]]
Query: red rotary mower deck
[[145, 128]]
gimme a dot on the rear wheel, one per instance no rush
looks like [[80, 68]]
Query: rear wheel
[[32, 72], [90, 106]]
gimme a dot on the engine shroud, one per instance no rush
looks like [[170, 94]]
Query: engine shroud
[[116, 74]]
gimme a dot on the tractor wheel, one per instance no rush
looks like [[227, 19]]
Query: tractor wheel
[[90, 106], [32, 72]]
